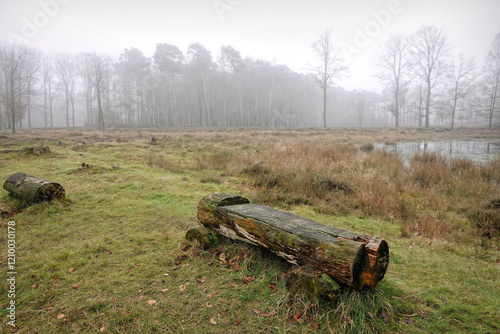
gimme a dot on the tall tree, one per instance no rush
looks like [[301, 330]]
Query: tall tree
[[66, 70], [461, 76], [132, 71], [330, 63], [492, 79], [100, 70], [48, 92], [429, 48], [32, 70], [14, 60], [229, 59], [200, 64], [393, 64]]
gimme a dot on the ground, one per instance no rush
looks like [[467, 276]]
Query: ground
[[112, 258]]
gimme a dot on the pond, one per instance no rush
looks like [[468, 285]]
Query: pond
[[479, 151]]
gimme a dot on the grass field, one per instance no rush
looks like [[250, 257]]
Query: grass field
[[111, 257]]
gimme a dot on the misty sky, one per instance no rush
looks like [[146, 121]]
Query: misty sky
[[274, 30]]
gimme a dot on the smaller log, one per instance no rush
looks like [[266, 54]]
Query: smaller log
[[32, 189], [206, 238], [315, 283]]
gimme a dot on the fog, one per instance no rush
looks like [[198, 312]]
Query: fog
[[66, 63]]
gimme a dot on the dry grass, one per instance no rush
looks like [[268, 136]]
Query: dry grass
[[430, 197]]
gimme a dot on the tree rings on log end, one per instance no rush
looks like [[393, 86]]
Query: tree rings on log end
[[32, 189]]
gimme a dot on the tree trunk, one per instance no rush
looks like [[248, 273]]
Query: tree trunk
[[32, 189], [349, 258], [325, 91], [428, 103]]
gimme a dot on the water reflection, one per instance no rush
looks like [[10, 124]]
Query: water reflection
[[481, 151]]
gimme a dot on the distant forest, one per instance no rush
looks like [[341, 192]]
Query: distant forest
[[423, 84]]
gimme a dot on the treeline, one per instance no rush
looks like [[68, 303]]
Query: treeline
[[194, 88]]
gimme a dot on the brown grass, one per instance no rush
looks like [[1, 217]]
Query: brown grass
[[431, 196]]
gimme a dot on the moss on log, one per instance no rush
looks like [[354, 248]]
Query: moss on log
[[315, 283], [32, 189], [349, 258], [206, 238]]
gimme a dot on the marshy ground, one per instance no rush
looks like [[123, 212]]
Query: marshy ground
[[112, 258]]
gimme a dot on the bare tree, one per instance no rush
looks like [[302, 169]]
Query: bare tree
[[491, 83], [330, 63], [32, 68], [100, 71], [393, 64], [429, 49], [65, 66], [13, 64], [462, 76]]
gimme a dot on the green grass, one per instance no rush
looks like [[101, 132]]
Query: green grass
[[111, 257]]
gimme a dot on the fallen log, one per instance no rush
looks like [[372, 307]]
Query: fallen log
[[32, 189], [349, 258]]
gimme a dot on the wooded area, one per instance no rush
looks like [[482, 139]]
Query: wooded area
[[423, 84], [349, 258]]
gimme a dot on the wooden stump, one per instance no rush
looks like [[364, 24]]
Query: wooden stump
[[206, 238], [32, 189], [349, 258]]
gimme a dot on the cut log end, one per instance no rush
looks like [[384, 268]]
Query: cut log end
[[32, 189]]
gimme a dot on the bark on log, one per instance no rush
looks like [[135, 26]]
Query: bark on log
[[349, 258], [32, 189]]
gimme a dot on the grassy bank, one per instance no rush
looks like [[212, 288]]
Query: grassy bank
[[111, 257]]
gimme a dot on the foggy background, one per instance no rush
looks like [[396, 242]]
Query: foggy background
[[244, 63]]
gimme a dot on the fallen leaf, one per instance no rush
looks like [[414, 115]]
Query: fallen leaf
[[71, 270], [176, 267], [298, 318], [248, 279], [208, 304], [256, 311], [201, 279], [102, 329], [238, 322], [183, 287], [60, 316], [75, 286], [151, 302], [34, 286], [272, 287], [140, 290], [234, 285], [212, 320], [164, 290], [384, 316]]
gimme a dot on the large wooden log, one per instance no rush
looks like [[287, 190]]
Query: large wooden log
[[32, 189], [349, 258]]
